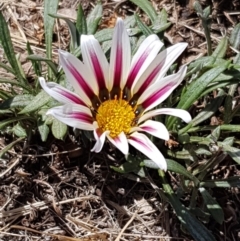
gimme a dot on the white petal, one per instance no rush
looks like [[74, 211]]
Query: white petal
[[183, 114], [158, 67], [95, 60], [120, 142], [77, 75], [76, 116], [60, 93], [169, 55], [146, 53], [100, 140], [144, 145], [120, 58], [160, 90], [154, 128]]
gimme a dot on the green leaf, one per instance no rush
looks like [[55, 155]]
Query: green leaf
[[75, 39], [221, 49], [11, 120], [160, 23], [229, 141], [212, 205], [49, 62], [36, 66], [173, 167], [59, 129], [233, 152], [227, 115], [198, 231], [43, 130], [6, 67], [222, 183], [215, 135], [104, 35], [7, 45], [94, 18], [9, 146], [50, 7], [206, 12], [19, 131], [195, 88], [17, 101], [4, 95], [38, 101], [205, 114], [144, 28], [235, 37], [14, 83], [178, 168], [147, 7], [81, 23]]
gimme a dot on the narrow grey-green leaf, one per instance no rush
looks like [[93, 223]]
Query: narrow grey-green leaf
[[221, 49], [222, 183], [144, 28], [19, 131], [50, 7], [147, 7], [81, 23], [43, 130], [232, 152], [206, 113], [11, 120], [16, 101], [59, 129], [198, 231], [178, 168], [15, 83], [212, 205], [94, 18], [228, 103], [38, 101], [235, 37], [75, 41], [195, 89], [7, 67], [9, 146], [215, 134], [6, 42], [49, 62], [36, 66], [104, 35]]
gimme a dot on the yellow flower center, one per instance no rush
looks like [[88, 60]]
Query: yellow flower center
[[115, 116]]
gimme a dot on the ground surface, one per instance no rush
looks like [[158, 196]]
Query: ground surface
[[62, 188]]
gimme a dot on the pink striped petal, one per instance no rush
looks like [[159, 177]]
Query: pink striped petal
[[95, 60], [160, 90], [100, 140], [159, 67], [74, 115], [120, 142], [59, 93], [76, 74], [169, 55], [146, 53], [144, 145], [120, 58], [154, 128], [183, 114]]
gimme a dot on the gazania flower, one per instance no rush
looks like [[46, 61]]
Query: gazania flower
[[115, 100]]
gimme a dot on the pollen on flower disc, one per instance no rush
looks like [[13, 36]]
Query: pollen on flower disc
[[115, 116]]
